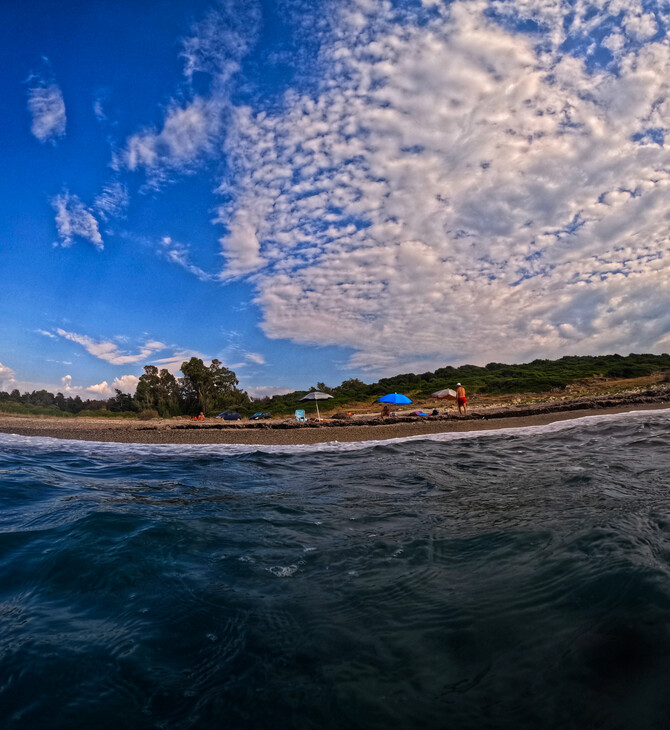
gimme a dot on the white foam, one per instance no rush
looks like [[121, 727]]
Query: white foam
[[101, 449]]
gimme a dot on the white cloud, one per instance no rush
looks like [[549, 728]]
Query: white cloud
[[126, 384], [101, 389], [178, 253], [46, 105], [66, 382], [174, 362], [457, 191], [188, 132], [266, 391], [109, 351], [642, 26], [7, 377], [73, 218], [256, 357], [216, 44], [112, 200], [192, 129]]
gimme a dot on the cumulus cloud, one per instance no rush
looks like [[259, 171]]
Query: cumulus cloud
[[74, 219], [7, 377], [458, 190], [126, 384], [46, 105], [66, 382], [110, 351]]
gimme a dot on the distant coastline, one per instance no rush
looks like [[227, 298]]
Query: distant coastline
[[362, 428]]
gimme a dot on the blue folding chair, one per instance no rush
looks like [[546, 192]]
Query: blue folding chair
[[300, 415]]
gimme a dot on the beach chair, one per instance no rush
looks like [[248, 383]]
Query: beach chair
[[300, 415]]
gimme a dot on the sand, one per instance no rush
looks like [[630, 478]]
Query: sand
[[276, 432]]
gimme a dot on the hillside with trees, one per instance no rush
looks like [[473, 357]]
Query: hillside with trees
[[213, 388]]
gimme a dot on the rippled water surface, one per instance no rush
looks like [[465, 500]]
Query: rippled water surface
[[507, 580]]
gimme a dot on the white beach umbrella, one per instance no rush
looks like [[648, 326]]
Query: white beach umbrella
[[316, 395], [447, 393]]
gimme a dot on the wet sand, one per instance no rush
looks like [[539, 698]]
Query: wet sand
[[211, 431]]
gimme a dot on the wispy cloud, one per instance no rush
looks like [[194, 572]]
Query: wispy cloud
[[174, 362], [47, 108], [112, 201], [193, 127], [74, 219], [458, 190], [188, 132], [179, 254], [266, 391], [110, 351]]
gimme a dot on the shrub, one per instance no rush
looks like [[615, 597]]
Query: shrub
[[148, 414]]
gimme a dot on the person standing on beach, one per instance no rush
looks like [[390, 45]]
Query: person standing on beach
[[462, 400]]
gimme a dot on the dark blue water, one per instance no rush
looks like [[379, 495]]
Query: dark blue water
[[509, 580]]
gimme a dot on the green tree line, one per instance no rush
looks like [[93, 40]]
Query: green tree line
[[213, 388], [204, 388]]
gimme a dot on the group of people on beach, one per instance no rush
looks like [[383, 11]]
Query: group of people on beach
[[461, 400]]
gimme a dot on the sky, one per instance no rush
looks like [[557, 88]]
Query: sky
[[314, 190]]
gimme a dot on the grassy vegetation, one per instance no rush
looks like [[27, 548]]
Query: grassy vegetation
[[11, 407], [106, 414], [539, 376], [20, 408]]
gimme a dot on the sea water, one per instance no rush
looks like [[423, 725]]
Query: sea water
[[512, 579]]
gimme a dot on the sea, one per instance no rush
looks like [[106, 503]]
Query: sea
[[515, 578]]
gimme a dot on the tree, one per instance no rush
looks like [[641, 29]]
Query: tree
[[207, 388], [60, 401], [120, 402], [158, 391]]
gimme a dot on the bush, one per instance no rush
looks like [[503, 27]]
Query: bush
[[148, 414], [102, 413]]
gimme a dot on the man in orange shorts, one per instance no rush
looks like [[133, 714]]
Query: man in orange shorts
[[462, 400]]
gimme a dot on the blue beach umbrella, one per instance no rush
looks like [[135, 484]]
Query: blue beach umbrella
[[396, 398]]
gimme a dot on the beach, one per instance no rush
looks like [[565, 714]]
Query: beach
[[287, 432]]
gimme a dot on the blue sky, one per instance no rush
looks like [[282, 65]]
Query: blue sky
[[324, 190]]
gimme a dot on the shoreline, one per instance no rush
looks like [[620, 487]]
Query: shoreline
[[168, 431]]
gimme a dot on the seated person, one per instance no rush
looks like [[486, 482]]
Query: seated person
[[385, 412]]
